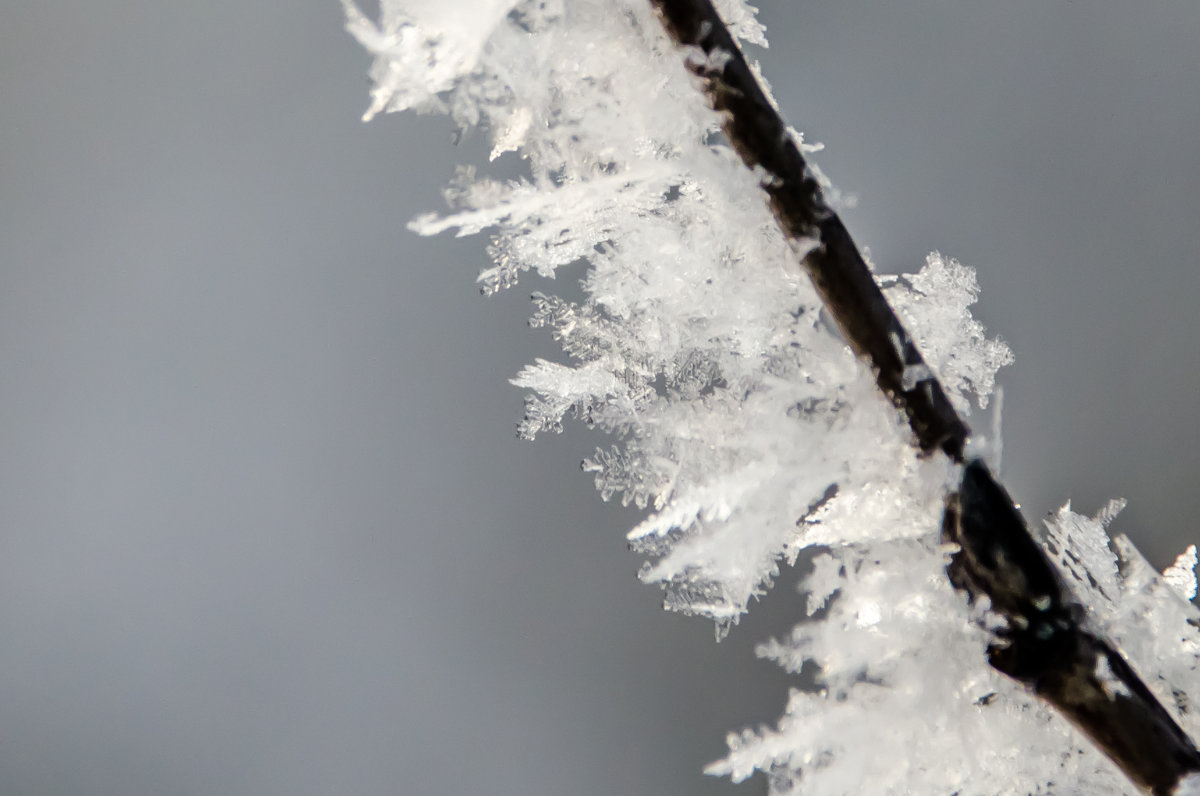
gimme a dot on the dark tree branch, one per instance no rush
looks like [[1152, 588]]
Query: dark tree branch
[[1041, 642]]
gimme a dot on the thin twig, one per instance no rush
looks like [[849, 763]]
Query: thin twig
[[1041, 642]]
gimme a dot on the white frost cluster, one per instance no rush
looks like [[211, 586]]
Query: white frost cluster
[[1149, 616], [904, 693], [740, 419], [907, 704]]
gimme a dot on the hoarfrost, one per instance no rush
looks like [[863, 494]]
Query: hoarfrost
[[899, 701], [1150, 620], [691, 287], [934, 305], [1181, 576], [746, 427]]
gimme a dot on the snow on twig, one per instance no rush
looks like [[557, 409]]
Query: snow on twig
[[749, 429]]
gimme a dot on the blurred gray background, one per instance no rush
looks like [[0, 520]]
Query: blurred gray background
[[264, 525]]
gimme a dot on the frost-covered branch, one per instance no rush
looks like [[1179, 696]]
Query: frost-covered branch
[[1039, 635], [758, 134], [749, 429]]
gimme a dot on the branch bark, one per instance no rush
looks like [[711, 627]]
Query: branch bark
[[1042, 641]]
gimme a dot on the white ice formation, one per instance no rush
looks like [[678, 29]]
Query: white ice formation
[[739, 418]]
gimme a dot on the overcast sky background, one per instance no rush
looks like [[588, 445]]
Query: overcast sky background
[[264, 524]]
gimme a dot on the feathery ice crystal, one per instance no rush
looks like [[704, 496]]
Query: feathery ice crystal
[[741, 420]]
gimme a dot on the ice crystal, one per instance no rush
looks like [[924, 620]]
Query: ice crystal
[[934, 305], [741, 420]]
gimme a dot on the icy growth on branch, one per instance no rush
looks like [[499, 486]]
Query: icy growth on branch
[[743, 422], [904, 704], [899, 669], [934, 305], [740, 419], [1146, 614]]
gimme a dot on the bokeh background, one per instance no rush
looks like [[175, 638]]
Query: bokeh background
[[264, 524]]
